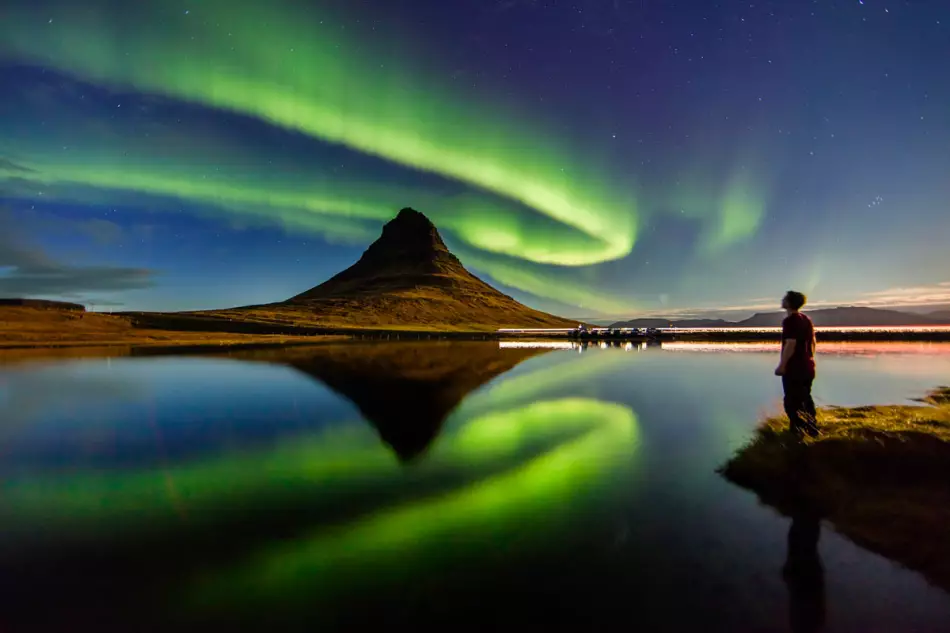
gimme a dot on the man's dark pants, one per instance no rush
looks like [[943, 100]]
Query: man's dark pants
[[799, 405]]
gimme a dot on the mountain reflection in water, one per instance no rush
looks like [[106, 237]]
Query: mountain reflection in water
[[404, 390]]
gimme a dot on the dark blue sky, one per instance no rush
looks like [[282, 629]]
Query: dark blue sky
[[591, 157]]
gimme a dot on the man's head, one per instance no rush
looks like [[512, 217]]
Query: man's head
[[793, 301]]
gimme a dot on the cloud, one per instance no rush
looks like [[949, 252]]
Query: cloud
[[914, 295], [102, 231], [66, 279], [27, 270], [9, 165]]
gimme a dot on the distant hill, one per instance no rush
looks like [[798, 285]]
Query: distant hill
[[827, 317], [842, 317], [406, 279], [940, 315]]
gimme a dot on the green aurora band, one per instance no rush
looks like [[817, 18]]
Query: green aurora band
[[168, 166], [532, 202], [735, 200], [296, 72]]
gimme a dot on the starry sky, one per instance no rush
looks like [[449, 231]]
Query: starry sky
[[594, 158]]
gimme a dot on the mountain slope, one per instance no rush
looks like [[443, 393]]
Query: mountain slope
[[407, 279]]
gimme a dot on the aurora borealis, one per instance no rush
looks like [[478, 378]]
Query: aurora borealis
[[596, 158]]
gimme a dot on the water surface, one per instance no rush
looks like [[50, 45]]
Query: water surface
[[461, 485]]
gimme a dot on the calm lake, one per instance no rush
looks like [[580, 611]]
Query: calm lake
[[459, 485]]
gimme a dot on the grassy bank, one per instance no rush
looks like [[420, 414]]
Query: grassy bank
[[26, 328], [879, 474]]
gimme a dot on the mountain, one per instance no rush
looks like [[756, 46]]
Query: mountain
[[406, 279], [828, 317]]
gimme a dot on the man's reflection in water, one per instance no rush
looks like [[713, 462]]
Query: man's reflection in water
[[804, 575]]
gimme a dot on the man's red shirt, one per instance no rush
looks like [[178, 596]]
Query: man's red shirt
[[802, 363]]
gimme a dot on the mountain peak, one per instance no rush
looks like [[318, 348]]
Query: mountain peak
[[410, 234], [409, 220], [408, 214], [409, 277], [409, 253]]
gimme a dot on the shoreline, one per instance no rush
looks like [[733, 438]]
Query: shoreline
[[877, 474], [124, 349], [168, 338], [32, 327]]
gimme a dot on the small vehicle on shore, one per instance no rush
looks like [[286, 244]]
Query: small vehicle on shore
[[583, 333]]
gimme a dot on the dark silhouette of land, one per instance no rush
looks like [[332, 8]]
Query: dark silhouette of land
[[878, 474]]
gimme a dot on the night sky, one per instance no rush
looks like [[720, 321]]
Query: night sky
[[591, 158]]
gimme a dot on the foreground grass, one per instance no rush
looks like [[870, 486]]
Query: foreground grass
[[879, 474]]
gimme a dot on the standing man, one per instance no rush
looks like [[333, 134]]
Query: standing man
[[797, 365]]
